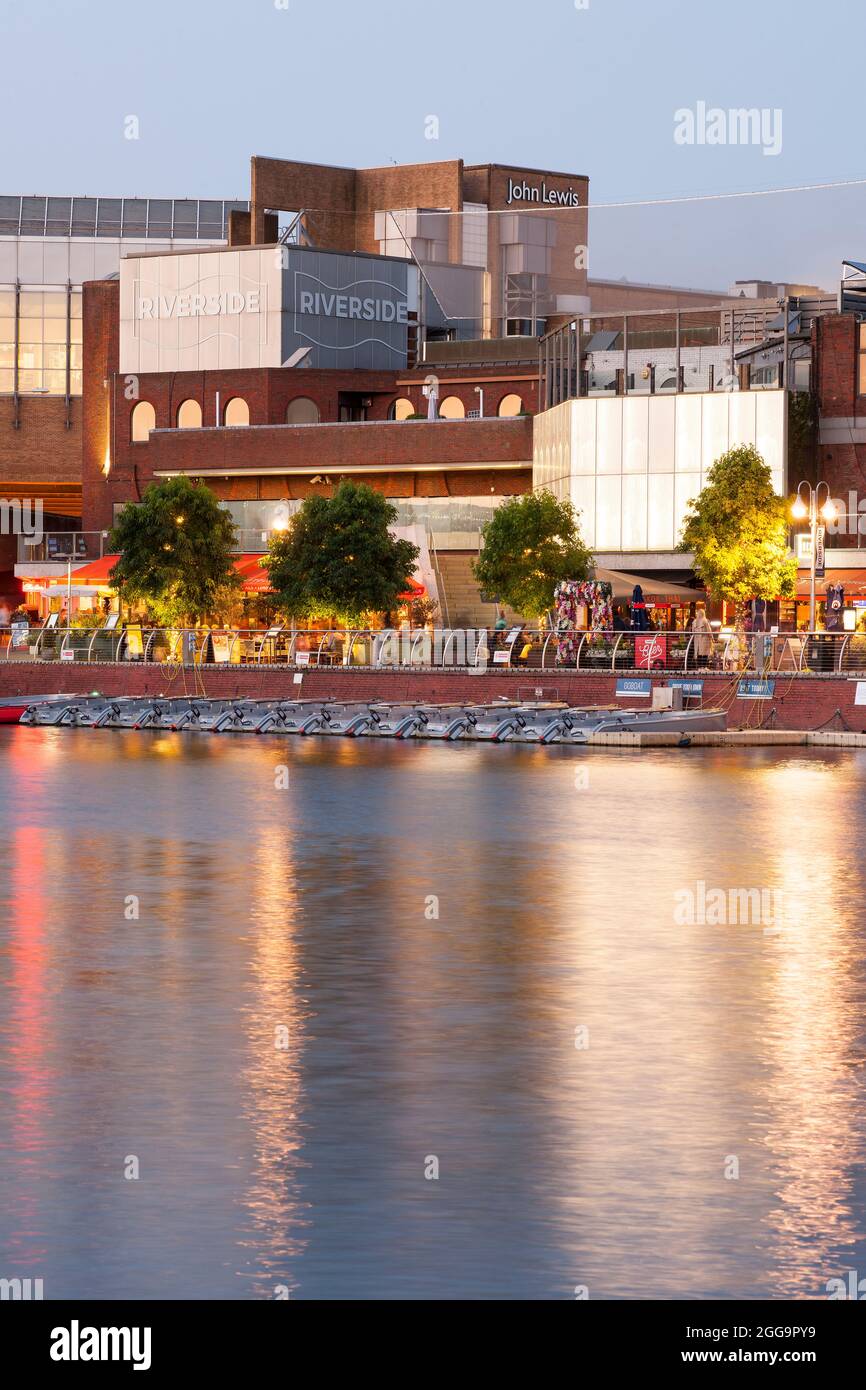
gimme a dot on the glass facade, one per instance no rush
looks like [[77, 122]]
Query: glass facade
[[189, 219], [40, 341], [48, 246]]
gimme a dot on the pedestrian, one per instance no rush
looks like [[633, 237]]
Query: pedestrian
[[4, 613], [702, 637]]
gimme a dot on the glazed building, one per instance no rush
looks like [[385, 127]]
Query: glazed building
[[48, 247]]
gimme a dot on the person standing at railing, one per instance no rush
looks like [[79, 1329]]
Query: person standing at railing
[[702, 635], [5, 615]]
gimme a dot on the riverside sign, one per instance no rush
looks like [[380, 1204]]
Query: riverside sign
[[190, 306]]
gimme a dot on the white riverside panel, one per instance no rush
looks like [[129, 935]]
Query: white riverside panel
[[660, 524], [662, 434], [714, 429], [583, 417], [686, 486], [583, 500], [608, 512], [688, 434], [608, 449], [743, 405], [770, 434], [634, 511], [635, 434]]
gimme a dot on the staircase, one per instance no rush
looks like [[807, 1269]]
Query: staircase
[[460, 598]]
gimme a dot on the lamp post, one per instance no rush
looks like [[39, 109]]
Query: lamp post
[[800, 511]]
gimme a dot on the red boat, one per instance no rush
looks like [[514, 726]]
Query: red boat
[[13, 706]]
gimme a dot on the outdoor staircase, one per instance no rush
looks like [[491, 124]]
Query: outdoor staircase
[[460, 598]]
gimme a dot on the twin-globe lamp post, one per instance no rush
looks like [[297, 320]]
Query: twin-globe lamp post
[[812, 508]]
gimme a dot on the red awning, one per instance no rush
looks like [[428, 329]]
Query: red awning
[[854, 582], [254, 577], [413, 590], [96, 571]]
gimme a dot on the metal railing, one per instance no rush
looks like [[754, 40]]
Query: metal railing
[[671, 652]]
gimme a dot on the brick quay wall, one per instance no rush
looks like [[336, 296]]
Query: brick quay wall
[[806, 702]]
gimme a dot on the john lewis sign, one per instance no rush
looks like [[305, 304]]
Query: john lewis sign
[[524, 192]]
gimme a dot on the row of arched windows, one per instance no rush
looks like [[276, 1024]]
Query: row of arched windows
[[452, 408], [300, 411]]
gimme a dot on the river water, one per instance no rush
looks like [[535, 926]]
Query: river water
[[335, 1018]]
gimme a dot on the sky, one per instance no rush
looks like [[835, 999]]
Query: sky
[[583, 86]]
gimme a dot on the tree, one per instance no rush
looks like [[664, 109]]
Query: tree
[[176, 552], [737, 529], [338, 559], [529, 544]]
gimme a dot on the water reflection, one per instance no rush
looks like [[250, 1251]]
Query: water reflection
[[429, 925]]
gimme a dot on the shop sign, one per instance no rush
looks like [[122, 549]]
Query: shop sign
[[20, 634], [819, 553], [755, 689], [860, 693], [524, 192], [502, 658], [650, 650], [689, 688], [302, 658], [633, 686]]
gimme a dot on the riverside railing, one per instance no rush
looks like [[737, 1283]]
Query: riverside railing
[[523, 648]]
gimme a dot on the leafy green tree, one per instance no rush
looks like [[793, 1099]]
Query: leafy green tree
[[176, 553], [529, 544], [338, 558], [738, 531]]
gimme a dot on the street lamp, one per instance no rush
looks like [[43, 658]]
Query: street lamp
[[800, 511]]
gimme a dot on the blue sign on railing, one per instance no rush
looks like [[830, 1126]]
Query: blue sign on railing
[[755, 690], [633, 686], [694, 689]]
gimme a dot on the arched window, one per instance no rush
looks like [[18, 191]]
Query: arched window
[[510, 405], [400, 409], [452, 408], [237, 412], [189, 415], [302, 411], [142, 422]]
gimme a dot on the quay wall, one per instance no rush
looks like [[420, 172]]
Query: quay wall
[[805, 702]]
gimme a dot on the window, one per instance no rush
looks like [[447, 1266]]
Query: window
[[237, 412], [400, 409], [142, 422], [302, 411], [189, 415], [452, 408], [861, 360], [510, 405]]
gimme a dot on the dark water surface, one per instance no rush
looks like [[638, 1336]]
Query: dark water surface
[[412, 1038]]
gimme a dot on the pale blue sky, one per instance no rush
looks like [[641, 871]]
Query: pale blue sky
[[543, 84]]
